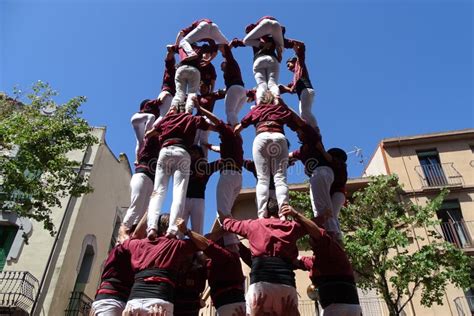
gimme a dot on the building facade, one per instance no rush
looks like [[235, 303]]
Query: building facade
[[425, 164], [58, 275]]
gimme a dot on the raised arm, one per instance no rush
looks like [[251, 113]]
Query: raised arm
[[312, 229], [238, 128], [200, 241], [235, 226], [179, 37], [285, 89], [214, 119]]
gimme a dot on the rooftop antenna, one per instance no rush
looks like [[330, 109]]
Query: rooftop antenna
[[358, 153]]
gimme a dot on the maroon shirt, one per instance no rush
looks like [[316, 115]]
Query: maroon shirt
[[200, 51], [209, 100], [180, 125], [208, 73], [224, 270], [117, 266], [161, 253], [268, 237], [300, 70], [168, 76], [148, 155], [269, 112], [198, 178], [231, 145], [191, 283], [188, 29], [245, 255], [152, 107], [232, 74], [309, 155], [329, 259]]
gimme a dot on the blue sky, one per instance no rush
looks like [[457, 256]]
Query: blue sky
[[380, 68]]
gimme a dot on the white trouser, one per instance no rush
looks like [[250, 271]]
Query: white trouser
[[230, 309], [141, 122], [338, 199], [202, 138], [227, 190], [172, 161], [203, 30], [342, 310], [108, 307], [275, 293], [143, 305], [194, 209], [235, 98], [320, 185], [270, 154], [264, 27], [266, 70], [306, 104], [187, 80], [141, 187], [166, 98]]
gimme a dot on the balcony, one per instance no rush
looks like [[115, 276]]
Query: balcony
[[79, 304], [17, 292], [459, 233], [439, 175]]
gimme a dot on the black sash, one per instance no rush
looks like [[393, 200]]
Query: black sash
[[273, 270]]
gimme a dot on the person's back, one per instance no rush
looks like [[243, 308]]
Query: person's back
[[273, 246], [156, 264]]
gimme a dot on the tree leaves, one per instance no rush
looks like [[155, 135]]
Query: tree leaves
[[379, 226], [40, 173]]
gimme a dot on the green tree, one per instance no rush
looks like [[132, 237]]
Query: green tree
[[301, 202], [36, 135], [379, 227]]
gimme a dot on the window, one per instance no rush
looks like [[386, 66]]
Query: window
[[85, 270], [113, 240], [7, 235], [452, 224], [431, 166]]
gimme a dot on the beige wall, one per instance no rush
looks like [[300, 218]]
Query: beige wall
[[95, 217], [376, 165], [91, 217], [402, 159]]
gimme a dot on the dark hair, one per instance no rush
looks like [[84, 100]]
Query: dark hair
[[163, 223], [292, 59], [338, 153], [272, 207], [142, 104]]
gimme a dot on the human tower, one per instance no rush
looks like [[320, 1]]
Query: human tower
[[159, 266]]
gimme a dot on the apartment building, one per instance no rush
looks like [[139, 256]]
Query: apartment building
[[425, 164]]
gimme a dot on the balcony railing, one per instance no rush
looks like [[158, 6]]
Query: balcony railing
[[370, 307], [17, 291], [79, 304], [439, 175], [459, 233], [464, 305]]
